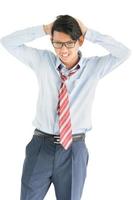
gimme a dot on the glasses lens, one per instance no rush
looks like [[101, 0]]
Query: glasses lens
[[70, 44], [57, 45]]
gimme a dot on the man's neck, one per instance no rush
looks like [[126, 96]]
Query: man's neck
[[71, 65]]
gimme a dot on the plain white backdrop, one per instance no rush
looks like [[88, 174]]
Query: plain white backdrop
[[110, 143]]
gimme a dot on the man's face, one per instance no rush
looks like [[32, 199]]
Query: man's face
[[68, 55]]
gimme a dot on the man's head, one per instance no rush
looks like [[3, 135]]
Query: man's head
[[66, 37]]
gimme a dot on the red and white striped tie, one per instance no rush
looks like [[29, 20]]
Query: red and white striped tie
[[65, 128]]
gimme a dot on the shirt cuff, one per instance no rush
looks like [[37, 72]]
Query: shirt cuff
[[91, 35]]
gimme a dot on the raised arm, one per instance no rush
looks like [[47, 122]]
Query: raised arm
[[15, 45], [118, 52]]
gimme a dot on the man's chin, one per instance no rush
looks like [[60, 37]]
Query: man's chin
[[64, 60]]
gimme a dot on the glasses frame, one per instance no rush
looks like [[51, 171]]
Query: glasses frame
[[64, 44]]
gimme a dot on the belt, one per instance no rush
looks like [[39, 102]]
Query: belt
[[56, 138]]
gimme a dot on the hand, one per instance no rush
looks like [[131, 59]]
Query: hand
[[82, 26], [47, 28]]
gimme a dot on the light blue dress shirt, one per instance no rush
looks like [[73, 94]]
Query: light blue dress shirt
[[81, 85]]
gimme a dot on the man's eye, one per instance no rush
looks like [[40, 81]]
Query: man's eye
[[58, 43], [70, 42]]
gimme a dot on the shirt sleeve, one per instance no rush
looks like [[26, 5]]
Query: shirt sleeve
[[118, 52], [15, 45]]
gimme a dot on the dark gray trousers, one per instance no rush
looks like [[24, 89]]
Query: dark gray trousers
[[46, 163]]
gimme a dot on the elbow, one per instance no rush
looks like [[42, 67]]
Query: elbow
[[7, 43], [126, 54], [4, 43]]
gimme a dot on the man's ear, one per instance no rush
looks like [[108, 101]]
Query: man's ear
[[81, 40]]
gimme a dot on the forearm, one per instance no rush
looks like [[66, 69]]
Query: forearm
[[116, 48], [20, 37]]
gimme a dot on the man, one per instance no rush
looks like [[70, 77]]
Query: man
[[57, 152]]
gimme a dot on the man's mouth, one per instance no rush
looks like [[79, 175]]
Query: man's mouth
[[64, 55]]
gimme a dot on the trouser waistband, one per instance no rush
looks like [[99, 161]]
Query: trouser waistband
[[56, 138]]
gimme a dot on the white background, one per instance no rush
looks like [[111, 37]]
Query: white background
[[110, 143]]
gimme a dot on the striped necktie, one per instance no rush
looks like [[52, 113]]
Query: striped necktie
[[65, 128]]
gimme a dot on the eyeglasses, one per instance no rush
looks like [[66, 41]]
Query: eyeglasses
[[59, 45]]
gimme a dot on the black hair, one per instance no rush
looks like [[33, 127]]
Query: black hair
[[67, 24]]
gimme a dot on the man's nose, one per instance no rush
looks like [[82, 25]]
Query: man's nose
[[64, 48]]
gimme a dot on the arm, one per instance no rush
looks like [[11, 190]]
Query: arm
[[14, 44], [118, 52]]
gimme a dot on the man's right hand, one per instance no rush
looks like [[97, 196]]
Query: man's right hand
[[47, 28]]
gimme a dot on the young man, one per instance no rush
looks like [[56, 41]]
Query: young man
[[57, 152]]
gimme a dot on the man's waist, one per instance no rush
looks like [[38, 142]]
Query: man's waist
[[56, 138]]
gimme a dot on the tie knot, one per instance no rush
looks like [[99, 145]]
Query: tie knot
[[73, 71], [63, 77]]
